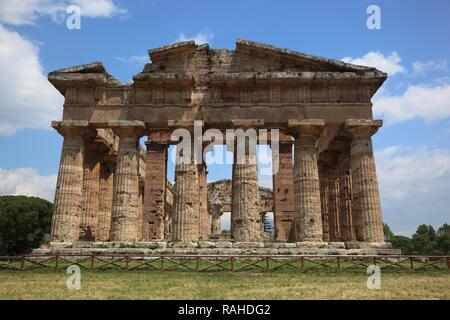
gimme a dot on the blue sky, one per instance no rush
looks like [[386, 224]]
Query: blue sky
[[413, 46]]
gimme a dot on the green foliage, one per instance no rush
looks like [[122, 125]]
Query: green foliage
[[388, 234], [426, 241], [402, 243], [24, 221], [443, 239]]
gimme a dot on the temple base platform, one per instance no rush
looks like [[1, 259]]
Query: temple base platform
[[218, 247]]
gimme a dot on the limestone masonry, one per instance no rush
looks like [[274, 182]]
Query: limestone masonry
[[325, 191]]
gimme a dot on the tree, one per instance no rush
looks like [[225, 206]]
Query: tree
[[443, 239], [424, 241], [403, 243], [24, 221], [388, 234]]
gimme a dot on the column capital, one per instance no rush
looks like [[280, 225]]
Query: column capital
[[358, 128], [127, 127], [306, 127], [159, 136], [71, 127]]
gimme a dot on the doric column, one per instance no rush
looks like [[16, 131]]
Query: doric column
[[345, 188], [204, 219], [185, 220], [216, 222], [69, 188], [323, 183], [283, 191], [106, 183], [333, 204], [245, 210], [91, 188], [306, 179], [366, 197], [126, 212], [155, 190]]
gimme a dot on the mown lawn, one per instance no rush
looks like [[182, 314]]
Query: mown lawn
[[183, 285]]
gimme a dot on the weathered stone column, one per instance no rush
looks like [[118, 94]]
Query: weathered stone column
[[366, 197], [185, 220], [216, 222], [69, 187], [323, 183], [345, 188], [106, 183], [155, 190], [283, 191], [333, 204], [245, 210], [204, 219], [306, 179], [91, 188], [126, 213]]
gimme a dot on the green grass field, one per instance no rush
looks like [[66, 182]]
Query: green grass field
[[184, 285]]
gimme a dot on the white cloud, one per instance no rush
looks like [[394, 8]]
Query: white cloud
[[417, 102], [27, 99], [414, 183], [389, 63], [98, 8], [134, 59], [26, 12], [199, 38], [27, 182], [431, 65]]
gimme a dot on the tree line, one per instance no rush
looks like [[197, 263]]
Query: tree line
[[425, 241]]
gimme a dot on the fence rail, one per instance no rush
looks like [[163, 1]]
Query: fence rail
[[224, 263]]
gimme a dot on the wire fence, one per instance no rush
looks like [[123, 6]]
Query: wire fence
[[225, 263]]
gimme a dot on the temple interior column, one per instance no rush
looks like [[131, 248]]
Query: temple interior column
[[204, 219], [185, 220], [155, 190], [106, 183], [283, 191], [306, 179], [126, 211], [333, 204], [69, 186], [216, 222], [245, 210], [345, 188], [323, 185], [366, 197], [91, 188]]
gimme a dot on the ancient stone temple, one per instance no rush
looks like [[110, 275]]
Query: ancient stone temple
[[325, 187]]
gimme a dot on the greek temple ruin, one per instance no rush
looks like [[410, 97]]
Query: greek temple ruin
[[112, 189]]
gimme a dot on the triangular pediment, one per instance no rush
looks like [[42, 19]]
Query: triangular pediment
[[267, 58]]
